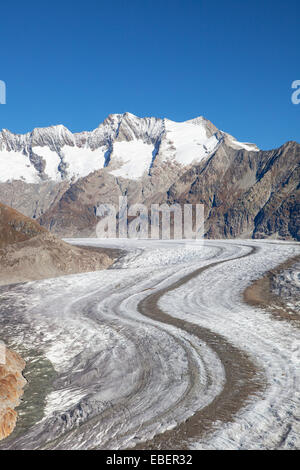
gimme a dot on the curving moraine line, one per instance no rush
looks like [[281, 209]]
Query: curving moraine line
[[242, 380], [242, 377]]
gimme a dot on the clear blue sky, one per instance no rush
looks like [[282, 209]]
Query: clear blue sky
[[75, 62]]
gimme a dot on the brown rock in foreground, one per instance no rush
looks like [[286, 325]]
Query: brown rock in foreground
[[28, 252], [11, 390]]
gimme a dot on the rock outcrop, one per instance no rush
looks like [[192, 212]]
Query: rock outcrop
[[11, 391]]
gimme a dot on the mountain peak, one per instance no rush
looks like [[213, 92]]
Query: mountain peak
[[126, 145]]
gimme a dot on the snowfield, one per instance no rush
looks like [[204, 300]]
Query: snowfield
[[136, 350]]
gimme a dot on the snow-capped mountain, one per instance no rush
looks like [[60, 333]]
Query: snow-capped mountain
[[128, 146], [60, 178]]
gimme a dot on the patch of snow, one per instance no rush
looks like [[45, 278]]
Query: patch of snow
[[52, 162], [186, 142], [83, 161], [17, 166], [135, 158], [243, 145]]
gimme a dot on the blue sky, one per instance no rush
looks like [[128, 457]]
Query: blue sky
[[75, 62]]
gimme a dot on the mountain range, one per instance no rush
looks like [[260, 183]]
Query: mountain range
[[60, 178]]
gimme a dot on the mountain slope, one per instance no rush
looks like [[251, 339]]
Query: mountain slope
[[246, 194], [29, 252], [14, 227]]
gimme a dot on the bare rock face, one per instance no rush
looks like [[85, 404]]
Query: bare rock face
[[32, 200], [11, 391], [246, 194]]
